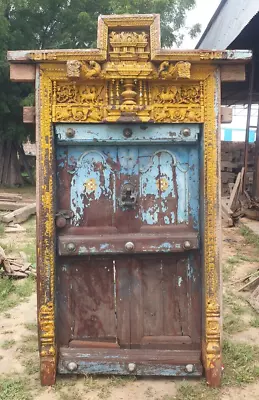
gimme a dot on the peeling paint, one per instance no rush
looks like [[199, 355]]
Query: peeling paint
[[180, 279]]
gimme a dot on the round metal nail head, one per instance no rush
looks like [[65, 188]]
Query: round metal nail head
[[72, 366], [71, 247], [129, 246], [131, 367], [187, 245]]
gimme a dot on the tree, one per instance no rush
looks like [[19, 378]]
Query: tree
[[42, 24]]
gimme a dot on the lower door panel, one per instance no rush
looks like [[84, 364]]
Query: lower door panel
[[147, 305]]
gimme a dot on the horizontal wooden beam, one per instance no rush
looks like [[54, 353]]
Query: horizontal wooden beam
[[22, 72], [233, 73], [61, 55], [29, 115], [226, 115]]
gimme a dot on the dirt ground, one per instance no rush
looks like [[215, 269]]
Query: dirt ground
[[19, 377]]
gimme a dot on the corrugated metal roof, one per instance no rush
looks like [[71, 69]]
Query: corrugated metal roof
[[228, 21]]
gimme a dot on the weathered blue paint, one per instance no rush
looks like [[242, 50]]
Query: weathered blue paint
[[176, 165], [92, 133], [120, 368], [193, 185], [93, 178]]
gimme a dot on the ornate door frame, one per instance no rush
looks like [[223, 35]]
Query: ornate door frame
[[128, 78]]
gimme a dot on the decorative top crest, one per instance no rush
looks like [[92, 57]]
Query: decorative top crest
[[128, 45]]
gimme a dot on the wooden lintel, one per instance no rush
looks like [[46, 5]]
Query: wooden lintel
[[226, 115], [29, 115], [233, 73], [22, 72]]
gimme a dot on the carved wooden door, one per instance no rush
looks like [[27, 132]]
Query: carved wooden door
[[128, 239]]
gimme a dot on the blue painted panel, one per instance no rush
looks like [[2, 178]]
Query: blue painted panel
[[164, 133], [93, 178], [116, 368], [168, 180]]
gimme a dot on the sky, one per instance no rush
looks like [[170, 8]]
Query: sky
[[202, 13]]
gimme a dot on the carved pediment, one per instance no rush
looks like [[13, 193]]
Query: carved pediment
[[128, 45]]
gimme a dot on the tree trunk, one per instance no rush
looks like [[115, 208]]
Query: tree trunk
[[10, 173]]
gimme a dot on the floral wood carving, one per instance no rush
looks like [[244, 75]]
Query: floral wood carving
[[181, 70]]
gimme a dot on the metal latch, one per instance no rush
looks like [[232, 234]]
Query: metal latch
[[128, 196], [62, 216]]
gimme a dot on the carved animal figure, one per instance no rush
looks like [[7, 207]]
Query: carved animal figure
[[181, 69], [90, 70], [88, 94]]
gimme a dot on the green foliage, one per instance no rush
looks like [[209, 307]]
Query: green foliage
[[42, 24], [14, 389], [13, 292], [240, 363], [189, 391]]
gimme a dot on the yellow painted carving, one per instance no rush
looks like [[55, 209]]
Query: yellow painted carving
[[128, 45], [181, 69], [90, 185], [212, 317], [47, 334], [162, 184], [81, 69], [46, 266]]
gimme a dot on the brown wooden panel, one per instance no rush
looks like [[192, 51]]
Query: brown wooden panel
[[233, 73], [152, 292], [92, 292], [115, 242], [134, 355], [29, 115], [64, 314], [22, 72], [167, 301], [123, 299], [137, 303], [86, 305], [94, 345], [172, 325]]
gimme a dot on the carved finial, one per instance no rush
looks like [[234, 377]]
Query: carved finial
[[78, 69], [181, 70]]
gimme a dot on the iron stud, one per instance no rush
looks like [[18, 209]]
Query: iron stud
[[72, 366], [131, 367], [70, 133], [187, 245], [189, 368], [129, 246], [71, 247], [186, 132]]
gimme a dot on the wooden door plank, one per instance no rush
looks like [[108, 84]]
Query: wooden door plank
[[170, 306], [137, 310], [123, 300], [63, 295], [92, 299], [152, 275]]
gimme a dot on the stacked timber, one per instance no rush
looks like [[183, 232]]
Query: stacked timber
[[232, 161], [14, 211]]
